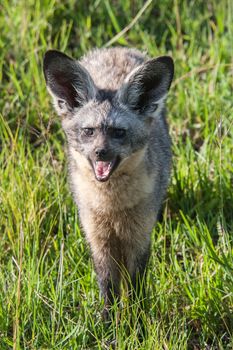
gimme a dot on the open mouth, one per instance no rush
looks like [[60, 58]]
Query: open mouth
[[103, 169]]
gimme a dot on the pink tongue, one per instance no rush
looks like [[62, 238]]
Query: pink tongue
[[102, 169]]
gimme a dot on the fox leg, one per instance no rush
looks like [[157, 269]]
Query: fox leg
[[138, 275], [109, 277]]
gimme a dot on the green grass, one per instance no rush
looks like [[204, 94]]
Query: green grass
[[49, 298]]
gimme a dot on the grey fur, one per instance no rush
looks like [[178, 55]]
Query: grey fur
[[113, 114]]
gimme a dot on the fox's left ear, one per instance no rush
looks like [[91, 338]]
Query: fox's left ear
[[69, 83], [146, 87]]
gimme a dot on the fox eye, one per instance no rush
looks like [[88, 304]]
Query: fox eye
[[118, 133], [155, 106], [88, 131]]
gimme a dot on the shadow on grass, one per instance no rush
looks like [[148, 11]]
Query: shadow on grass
[[210, 202]]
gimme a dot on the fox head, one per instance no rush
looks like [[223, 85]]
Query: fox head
[[107, 126]]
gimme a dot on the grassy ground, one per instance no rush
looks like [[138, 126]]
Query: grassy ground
[[49, 297]]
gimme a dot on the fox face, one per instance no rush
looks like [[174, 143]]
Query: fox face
[[107, 126], [107, 135]]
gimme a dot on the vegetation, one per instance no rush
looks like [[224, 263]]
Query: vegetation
[[49, 298]]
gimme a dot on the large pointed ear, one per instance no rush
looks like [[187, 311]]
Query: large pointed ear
[[70, 85], [146, 87]]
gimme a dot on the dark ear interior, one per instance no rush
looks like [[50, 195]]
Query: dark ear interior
[[66, 79], [149, 84]]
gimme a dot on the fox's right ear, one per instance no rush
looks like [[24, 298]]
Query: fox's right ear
[[69, 83], [145, 89]]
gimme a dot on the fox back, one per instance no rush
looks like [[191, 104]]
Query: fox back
[[112, 107]]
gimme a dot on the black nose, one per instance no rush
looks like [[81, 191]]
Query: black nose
[[100, 152]]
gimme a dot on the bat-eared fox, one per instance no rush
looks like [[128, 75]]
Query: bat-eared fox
[[112, 106]]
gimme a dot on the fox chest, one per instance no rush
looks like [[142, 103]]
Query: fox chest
[[123, 193], [121, 211], [130, 227]]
